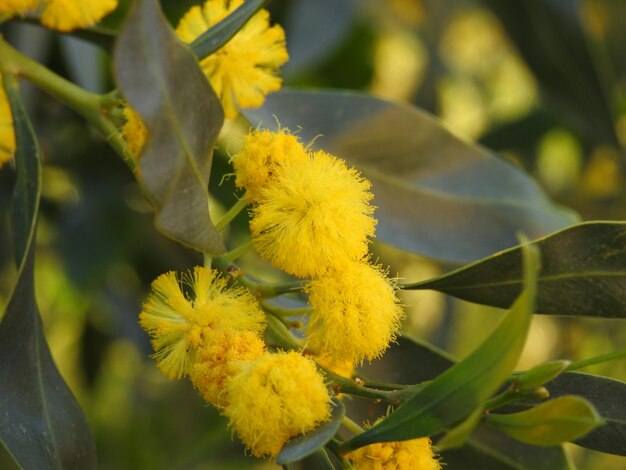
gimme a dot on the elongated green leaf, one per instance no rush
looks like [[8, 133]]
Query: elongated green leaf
[[550, 36], [460, 434], [162, 81], [412, 361], [218, 35], [553, 422], [303, 446], [583, 272], [436, 195], [41, 425], [456, 393]]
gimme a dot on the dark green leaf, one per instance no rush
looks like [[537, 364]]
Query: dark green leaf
[[162, 81], [552, 422], [457, 392], [551, 38], [583, 272], [436, 195], [539, 375], [218, 35], [302, 446], [313, 29], [41, 425], [459, 435]]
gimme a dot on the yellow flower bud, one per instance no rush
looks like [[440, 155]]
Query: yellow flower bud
[[415, 454], [7, 134], [67, 15], [134, 131]]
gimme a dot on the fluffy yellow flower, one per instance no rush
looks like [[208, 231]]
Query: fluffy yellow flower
[[355, 313], [274, 399], [67, 15], [134, 131], [244, 70], [178, 324], [220, 358], [416, 454], [262, 153], [339, 367], [7, 134], [19, 7], [314, 216]]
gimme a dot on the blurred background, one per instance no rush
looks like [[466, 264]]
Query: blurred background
[[541, 82]]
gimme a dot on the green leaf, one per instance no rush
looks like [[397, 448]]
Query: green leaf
[[583, 272], [552, 422], [436, 194], [540, 374], [162, 81], [303, 446], [608, 396], [551, 38], [459, 435], [457, 392], [218, 35], [41, 425]]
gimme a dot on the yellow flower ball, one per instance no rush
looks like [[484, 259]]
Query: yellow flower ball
[[262, 153], [19, 7], [67, 15], [355, 313], [274, 399], [313, 216], [177, 324], [134, 131], [244, 70], [7, 134], [416, 454], [219, 358]]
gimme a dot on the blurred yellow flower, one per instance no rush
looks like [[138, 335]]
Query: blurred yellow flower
[[67, 15], [415, 454], [244, 70], [314, 216], [178, 324], [219, 358], [355, 313], [19, 7], [7, 134], [262, 153], [274, 399], [134, 131], [339, 367]]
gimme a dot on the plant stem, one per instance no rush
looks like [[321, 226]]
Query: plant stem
[[235, 253], [231, 214], [597, 360], [285, 312], [352, 426], [88, 105]]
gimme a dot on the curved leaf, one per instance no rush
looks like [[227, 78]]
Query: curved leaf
[[218, 35], [583, 272], [552, 422], [457, 392], [41, 425], [436, 195], [162, 81], [303, 446]]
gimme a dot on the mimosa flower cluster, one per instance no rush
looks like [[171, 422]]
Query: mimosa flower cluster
[[213, 335], [7, 134], [312, 217], [61, 15], [242, 72]]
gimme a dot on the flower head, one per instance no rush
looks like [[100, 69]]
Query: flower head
[[219, 358], [67, 15], [355, 313], [19, 7], [243, 71], [7, 134], [415, 454], [314, 216], [262, 154], [134, 131], [274, 399], [178, 324]]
